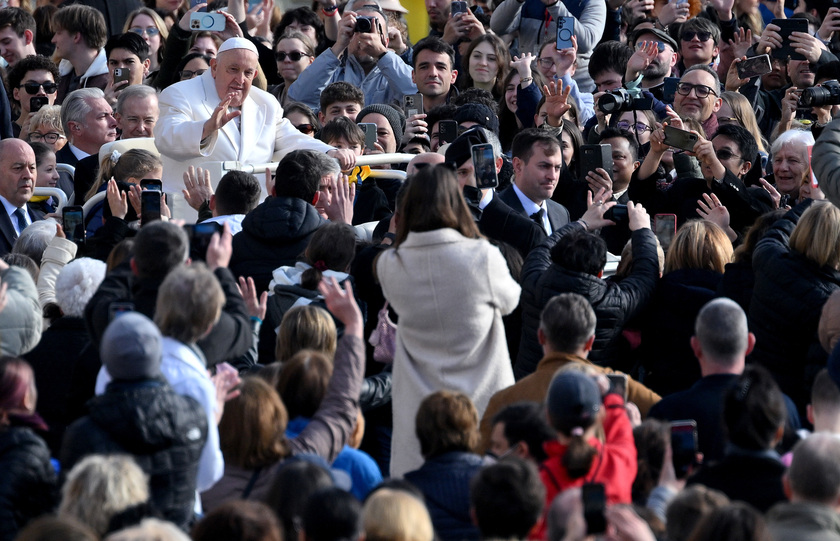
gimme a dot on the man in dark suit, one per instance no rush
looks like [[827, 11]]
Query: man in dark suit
[[17, 181], [537, 161], [495, 219]]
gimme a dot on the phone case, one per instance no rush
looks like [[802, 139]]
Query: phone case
[[565, 31]]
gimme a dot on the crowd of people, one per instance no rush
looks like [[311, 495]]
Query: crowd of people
[[557, 270]]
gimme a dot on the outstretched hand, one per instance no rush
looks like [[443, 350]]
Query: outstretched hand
[[219, 118]]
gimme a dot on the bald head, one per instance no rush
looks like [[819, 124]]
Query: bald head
[[426, 159], [17, 171], [814, 473]]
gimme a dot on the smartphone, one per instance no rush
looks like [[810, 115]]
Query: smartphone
[[194, 3], [616, 213], [36, 102], [618, 384], [594, 500], [484, 163], [458, 6], [413, 105], [369, 129], [683, 446], [121, 74], [786, 27], [253, 5], [677, 138], [595, 156], [665, 227], [200, 235], [669, 89], [754, 66], [565, 31], [151, 184], [116, 309], [149, 206], [73, 222], [447, 130]]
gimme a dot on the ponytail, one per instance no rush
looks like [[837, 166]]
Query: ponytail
[[579, 455]]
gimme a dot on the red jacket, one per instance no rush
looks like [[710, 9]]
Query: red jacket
[[615, 464]]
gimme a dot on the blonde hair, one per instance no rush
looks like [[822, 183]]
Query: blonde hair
[[101, 486], [159, 23], [48, 115], [817, 235], [699, 244], [305, 327], [395, 515], [189, 302], [740, 105], [150, 529]]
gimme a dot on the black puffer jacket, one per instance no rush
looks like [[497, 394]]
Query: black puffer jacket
[[614, 304], [787, 301], [28, 485], [275, 234], [164, 432]]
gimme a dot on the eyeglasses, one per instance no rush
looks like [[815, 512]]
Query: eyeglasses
[[688, 35], [659, 45], [305, 129], [32, 88], [51, 137], [727, 120], [187, 74], [546, 62], [726, 154], [151, 31], [640, 127], [294, 56], [701, 91]]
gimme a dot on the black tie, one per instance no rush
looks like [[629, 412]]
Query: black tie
[[21, 219], [538, 217]]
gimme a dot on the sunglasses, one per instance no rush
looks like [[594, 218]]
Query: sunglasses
[[688, 35], [305, 129], [51, 137], [32, 88], [659, 45], [726, 154], [187, 74], [151, 31], [640, 127], [294, 56], [727, 120], [701, 91]]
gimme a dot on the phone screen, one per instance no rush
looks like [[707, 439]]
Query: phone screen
[[683, 446], [200, 235], [151, 184], [665, 227], [149, 206], [484, 164], [618, 384], [73, 223], [594, 504], [755, 66]]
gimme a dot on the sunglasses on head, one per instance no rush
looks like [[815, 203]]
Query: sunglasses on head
[[294, 56], [689, 35], [32, 88], [305, 128]]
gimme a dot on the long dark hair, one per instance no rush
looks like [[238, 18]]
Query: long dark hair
[[433, 200]]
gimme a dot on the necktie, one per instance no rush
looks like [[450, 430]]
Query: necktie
[[538, 217], [20, 218]]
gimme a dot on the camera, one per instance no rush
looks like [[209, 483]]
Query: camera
[[200, 21], [619, 100], [828, 93], [365, 25]]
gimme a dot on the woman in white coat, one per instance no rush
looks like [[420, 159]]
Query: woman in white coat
[[450, 288]]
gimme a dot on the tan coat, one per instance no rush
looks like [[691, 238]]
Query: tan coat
[[535, 386]]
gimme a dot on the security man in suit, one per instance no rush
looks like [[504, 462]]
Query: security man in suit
[[17, 182]]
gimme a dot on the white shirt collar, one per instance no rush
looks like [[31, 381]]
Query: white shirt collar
[[531, 207], [77, 152]]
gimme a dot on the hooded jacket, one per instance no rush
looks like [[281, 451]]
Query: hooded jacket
[[96, 76], [164, 432], [275, 234]]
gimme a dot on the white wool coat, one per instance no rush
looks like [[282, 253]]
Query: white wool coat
[[450, 293]]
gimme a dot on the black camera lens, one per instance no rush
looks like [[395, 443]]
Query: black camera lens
[[364, 25], [827, 93]]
